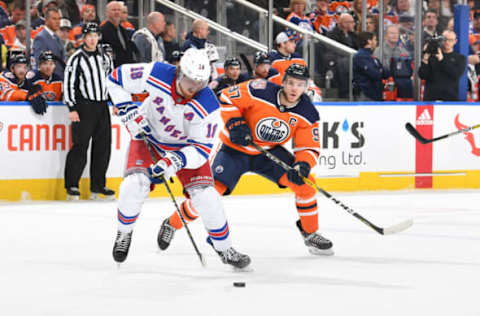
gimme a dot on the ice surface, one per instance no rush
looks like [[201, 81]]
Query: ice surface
[[56, 260]]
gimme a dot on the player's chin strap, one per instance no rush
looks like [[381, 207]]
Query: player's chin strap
[[383, 231], [177, 209]]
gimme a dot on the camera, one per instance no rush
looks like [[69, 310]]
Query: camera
[[433, 44]]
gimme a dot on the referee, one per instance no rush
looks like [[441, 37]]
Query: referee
[[86, 96]]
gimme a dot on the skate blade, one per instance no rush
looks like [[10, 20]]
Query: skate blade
[[98, 197], [243, 270], [73, 197], [321, 252]]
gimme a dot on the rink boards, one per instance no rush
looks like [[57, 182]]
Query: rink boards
[[364, 147]]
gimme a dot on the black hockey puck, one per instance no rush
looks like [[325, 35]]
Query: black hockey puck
[[239, 284]]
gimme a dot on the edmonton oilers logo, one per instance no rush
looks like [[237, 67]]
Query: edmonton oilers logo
[[271, 129]]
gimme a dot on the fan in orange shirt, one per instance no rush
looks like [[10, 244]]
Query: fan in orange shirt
[[270, 116]]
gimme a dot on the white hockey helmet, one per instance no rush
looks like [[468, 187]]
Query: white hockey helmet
[[195, 65]]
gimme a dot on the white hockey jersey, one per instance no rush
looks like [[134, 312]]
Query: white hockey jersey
[[177, 124]]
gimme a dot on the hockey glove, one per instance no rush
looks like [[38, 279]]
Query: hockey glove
[[299, 170], [36, 99], [135, 123], [239, 131], [168, 166]]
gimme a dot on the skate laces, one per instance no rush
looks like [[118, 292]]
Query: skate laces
[[316, 238], [232, 255], [123, 241], [167, 232]]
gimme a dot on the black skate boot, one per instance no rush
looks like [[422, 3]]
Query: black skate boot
[[108, 193], [121, 246], [316, 243], [73, 194], [232, 257], [165, 235]]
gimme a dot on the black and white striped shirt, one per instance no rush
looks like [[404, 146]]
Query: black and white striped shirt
[[86, 77]]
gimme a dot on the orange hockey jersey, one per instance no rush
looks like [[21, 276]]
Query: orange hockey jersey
[[10, 90], [270, 122], [52, 87]]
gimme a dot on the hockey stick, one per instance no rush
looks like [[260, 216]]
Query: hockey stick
[[424, 140], [177, 209], [383, 231], [247, 64]]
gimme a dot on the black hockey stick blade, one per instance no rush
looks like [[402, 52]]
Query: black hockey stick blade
[[424, 140], [416, 134]]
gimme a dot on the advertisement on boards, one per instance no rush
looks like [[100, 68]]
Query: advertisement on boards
[[364, 138], [35, 147]]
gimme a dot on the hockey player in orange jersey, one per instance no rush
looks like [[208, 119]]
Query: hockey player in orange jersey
[[271, 116], [16, 85], [46, 77]]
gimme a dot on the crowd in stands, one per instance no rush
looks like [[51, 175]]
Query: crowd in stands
[[56, 26]]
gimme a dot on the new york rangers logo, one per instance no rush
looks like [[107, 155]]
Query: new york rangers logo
[[271, 129]]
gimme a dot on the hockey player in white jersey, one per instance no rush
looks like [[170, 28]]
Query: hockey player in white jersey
[[178, 120]]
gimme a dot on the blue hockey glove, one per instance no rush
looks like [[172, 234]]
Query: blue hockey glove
[[299, 170], [135, 123], [240, 133], [168, 166]]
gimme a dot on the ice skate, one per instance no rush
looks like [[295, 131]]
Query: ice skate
[[316, 243], [232, 257], [103, 194], [165, 235], [73, 194], [121, 246]]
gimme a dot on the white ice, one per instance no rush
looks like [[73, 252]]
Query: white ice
[[56, 260]]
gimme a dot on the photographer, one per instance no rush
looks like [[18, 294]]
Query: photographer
[[442, 68]]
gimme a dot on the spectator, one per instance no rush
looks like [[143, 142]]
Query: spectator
[[323, 20], [476, 23], [343, 33], [169, 40], [148, 39], [372, 24], [48, 39], [368, 71], [450, 24], [232, 76], [89, 113], [442, 71], [89, 14], [46, 77], [124, 21], [397, 59], [392, 47], [45, 5], [197, 38], [297, 16], [403, 7], [64, 33], [20, 42], [17, 87], [114, 34], [17, 14], [356, 13], [430, 22]]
